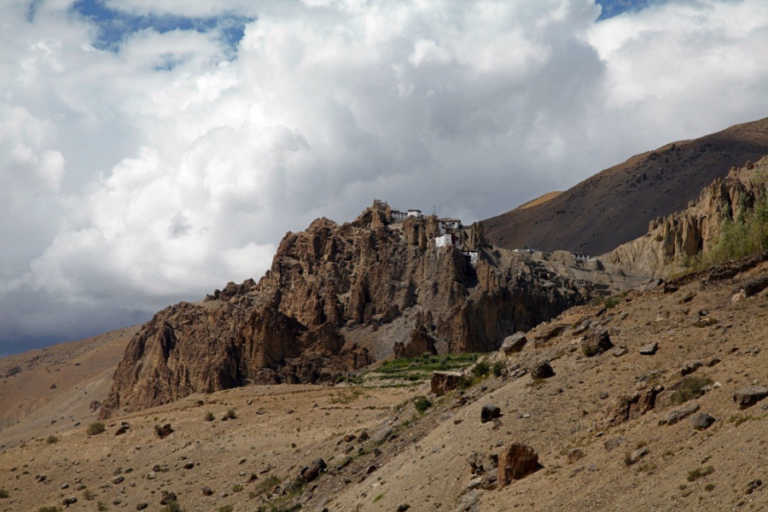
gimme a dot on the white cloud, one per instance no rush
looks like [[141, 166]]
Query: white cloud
[[166, 168]]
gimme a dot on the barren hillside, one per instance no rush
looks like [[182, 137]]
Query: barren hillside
[[617, 204]]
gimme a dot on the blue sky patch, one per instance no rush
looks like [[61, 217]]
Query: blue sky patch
[[115, 26], [613, 8]]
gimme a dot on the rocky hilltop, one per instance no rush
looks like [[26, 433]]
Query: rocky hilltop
[[338, 297], [671, 240], [616, 205]]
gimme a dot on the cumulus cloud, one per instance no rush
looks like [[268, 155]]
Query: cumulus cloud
[[163, 166]]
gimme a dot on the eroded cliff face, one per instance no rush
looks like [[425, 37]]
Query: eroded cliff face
[[336, 298], [670, 240]]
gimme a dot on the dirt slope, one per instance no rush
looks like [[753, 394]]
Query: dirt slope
[[45, 390], [422, 459], [616, 205]]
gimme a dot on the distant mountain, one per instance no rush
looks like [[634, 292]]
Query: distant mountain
[[618, 204]]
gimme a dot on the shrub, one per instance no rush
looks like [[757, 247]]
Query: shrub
[[101, 506], [49, 509], [209, 416], [422, 403], [225, 508], [709, 487], [481, 369], [88, 495], [52, 439], [4, 493], [96, 428], [498, 368], [237, 488], [690, 388], [612, 302], [230, 415], [700, 473]]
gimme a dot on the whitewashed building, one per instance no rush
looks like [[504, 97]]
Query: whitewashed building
[[445, 240]]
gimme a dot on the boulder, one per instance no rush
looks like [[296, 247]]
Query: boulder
[[312, 471], [489, 412], [679, 415], [632, 405], [575, 454], [649, 349], [755, 286], [690, 366], [750, 395], [517, 462], [702, 421], [445, 382], [514, 343], [596, 342], [637, 455], [541, 370]]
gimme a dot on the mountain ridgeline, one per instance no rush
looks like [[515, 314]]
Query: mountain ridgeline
[[338, 297], [616, 205]]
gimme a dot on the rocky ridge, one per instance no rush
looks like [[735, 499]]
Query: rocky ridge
[[338, 297], [673, 239]]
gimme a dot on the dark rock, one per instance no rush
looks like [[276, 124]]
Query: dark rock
[[364, 436], [489, 412], [541, 370], [517, 462], [403, 507], [69, 501], [164, 431], [311, 472], [632, 405], [118, 480], [207, 491], [755, 286], [514, 343], [596, 342], [690, 367], [649, 349], [371, 469], [142, 506], [445, 382], [167, 497], [750, 395], [679, 415], [702, 421], [189, 465], [753, 486]]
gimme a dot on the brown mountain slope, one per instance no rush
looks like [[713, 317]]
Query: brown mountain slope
[[617, 204]]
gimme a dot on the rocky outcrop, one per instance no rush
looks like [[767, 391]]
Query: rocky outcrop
[[673, 239], [338, 297]]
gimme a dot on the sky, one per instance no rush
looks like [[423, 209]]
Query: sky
[[154, 150]]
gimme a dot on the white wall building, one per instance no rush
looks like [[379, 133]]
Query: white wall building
[[445, 240]]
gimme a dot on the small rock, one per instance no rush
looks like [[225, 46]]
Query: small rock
[[750, 396], [164, 431], [702, 421], [620, 351], [364, 436], [753, 486], [516, 462], [151, 475], [207, 491], [679, 414], [167, 497], [69, 501], [690, 367], [604, 395], [403, 507], [649, 349], [311, 472], [541, 370], [514, 343], [371, 469], [189, 465], [65, 485], [704, 321], [142, 506], [118, 479], [575, 454], [637, 455], [489, 412]]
